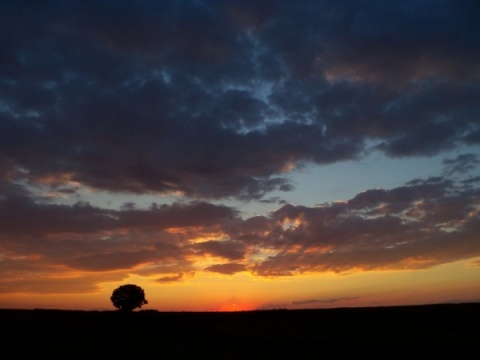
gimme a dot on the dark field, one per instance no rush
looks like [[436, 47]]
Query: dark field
[[407, 332]]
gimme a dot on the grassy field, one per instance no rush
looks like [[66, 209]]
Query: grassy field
[[406, 332]]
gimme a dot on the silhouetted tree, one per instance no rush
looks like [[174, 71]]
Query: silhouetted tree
[[128, 297]]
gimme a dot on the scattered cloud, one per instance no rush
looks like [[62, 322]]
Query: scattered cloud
[[422, 224], [461, 164], [175, 278], [227, 269]]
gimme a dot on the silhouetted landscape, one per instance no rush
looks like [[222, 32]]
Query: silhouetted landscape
[[401, 332]]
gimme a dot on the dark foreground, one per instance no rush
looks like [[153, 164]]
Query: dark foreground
[[411, 332]]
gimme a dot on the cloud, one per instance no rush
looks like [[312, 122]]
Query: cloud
[[175, 278], [84, 237], [21, 215], [25, 274], [302, 304], [421, 225], [230, 250], [151, 99], [323, 301], [227, 269], [461, 164], [110, 261], [426, 222]]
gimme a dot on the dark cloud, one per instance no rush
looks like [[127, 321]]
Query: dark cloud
[[227, 269], [217, 99], [323, 301], [88, 238], [310, 303], [21, 215], [415, 226], [461, 164], [110, 261], [424, 223], [230, 250]]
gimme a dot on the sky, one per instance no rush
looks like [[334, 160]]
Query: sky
[[239, 155]]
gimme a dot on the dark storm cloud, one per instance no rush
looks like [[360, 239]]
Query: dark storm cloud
[[217, 99]]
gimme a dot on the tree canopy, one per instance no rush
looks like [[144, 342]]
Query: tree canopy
[[128, 297]]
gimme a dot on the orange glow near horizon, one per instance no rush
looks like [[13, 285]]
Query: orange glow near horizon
[[456, 282], [237, 307]]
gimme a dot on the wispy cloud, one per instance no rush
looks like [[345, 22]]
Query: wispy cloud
[[175, 278], [323, 301]]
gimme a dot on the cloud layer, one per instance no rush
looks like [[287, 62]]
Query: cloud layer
[[219, 99], [214, 100], [419, 225]]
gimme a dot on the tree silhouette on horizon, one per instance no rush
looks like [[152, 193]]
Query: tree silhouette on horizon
[[128, 297]]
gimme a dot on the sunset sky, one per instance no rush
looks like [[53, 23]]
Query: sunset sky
[[239, 154]]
